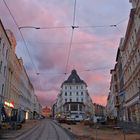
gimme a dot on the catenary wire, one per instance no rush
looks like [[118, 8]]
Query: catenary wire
[[74, 13], [25, 44], [69, 51], [88, 26], [71, 39]]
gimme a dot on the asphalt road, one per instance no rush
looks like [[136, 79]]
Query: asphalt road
[[46, 130]]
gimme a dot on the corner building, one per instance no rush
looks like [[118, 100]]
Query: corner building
[[74, 101]]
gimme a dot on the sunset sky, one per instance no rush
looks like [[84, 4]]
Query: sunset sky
[[93, 50]]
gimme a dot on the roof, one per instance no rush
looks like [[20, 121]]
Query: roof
[[74, 79]]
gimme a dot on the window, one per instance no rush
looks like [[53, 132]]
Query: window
[[135, 31], [139, 53], [70, 93], [81, 87], [65, 93], [81, 93], [76, 87], [73, 80], [65, 100], [70, 87], [81, 99], [70, 100], [80, 107], [76, 93], [74, 107], [0, 40], [3, 49], [4, 70], [77, 100], [7, 54], [0, 66], [65, 87], [2, 90]]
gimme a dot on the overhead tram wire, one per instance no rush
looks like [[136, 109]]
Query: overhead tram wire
[[69, 51], [74, 13], [25, 44], [39, 28], [71, 39], [61, 27]]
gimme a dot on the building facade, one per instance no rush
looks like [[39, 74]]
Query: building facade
[[127, 70], [74, 101], [131, 64], [111, 100], [17, 92]]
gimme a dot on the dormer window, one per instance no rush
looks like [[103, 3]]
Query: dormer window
[[73, 80]]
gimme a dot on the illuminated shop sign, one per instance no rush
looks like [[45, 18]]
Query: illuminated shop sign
[[9, 104]]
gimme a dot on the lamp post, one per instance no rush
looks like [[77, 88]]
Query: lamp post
[[22, 27]]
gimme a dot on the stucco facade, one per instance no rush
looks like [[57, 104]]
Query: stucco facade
[[74, 100], [17, 91]]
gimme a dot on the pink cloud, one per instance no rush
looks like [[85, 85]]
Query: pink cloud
[[99, 100]]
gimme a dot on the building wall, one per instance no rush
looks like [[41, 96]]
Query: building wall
[[74, 95], [15, 85], [131, 64], [4, 47]]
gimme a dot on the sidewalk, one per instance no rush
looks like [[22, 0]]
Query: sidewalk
[[83, 132], [11, 134]]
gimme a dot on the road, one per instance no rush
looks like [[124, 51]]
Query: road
[[46, 130]]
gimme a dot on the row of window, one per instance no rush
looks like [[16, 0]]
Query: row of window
[[77, 100], [70, 87], [70, 93], [133, 64], [133, 88]]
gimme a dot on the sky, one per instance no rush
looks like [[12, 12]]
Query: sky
[[93, 49]]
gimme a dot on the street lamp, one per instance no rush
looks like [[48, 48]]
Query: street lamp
[[22, 27], [51, 27]]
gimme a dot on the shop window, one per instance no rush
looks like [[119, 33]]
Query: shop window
[[74, 107], [80, 107]]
